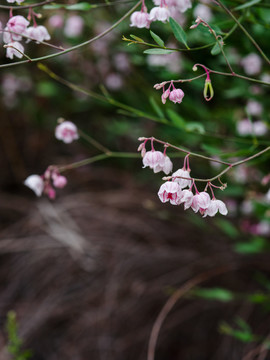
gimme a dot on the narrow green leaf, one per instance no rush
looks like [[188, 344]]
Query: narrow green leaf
[[155, 107], [227, 227], [157, 39], [248, 4], [178, 32], [83, 6], [195, 127], [214, 294], [157, 51], [176, 119], [255, 246], [136, 38]]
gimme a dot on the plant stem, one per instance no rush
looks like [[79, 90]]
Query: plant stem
[[85, 43], [244, 30], [26, 6]]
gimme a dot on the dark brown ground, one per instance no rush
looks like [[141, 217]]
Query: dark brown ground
[[88, 274]]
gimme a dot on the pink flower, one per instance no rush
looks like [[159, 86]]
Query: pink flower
[[59, 181], [176, 96], [214, 207], [67, 132], [159, 13], [170, 191], [35, 183], [155, 160], [38, 33], [166, 167], [259, 128], [182, 182], [165, 96], [14, 49], [184, 5], [244, 127], [252, 64], [17, 24], [74, 26], [201, 202], [187, 198], [254, 108], [140, 19], [56, 21], [203, 12]]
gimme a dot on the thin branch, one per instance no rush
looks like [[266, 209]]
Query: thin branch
[[26, 6], [244, 30], [85, 43], [184, 289]]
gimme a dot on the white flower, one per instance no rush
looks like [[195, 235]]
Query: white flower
[[186, 198], [176, 96], [155, 160], [252, 64], [74, 26], [14, 49], [170, 191], [17, 24], [201, 202], [259, 128], [254, 108], [184, 5], [244, 127], [159, 13], [214, 207], [35, 183], [38, 33], [17, 1], [182, 182], [166, 167], [140, 19], [67, 132], [203, 12]]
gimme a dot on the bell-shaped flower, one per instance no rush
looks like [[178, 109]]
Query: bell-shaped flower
[[140, 19], [59, 181], [14, 49], [35, 183], [37, 33], [165, 96], [214, 207], [170, 191], [67, 132], [15, 1], [184, 5], [17, 24], [201, 202], [166, 167], [176, 96], [159, 13], [154, 159], [187, 198], [182, 182]]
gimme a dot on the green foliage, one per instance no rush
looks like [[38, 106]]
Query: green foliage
[[218, 294], [14, 342], [243, 333], [178, 32], [255, 245], [157, 39]]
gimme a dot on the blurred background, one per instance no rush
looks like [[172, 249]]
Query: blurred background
[[88, 273]]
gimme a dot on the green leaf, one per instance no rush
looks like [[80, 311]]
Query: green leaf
[[157, 51], [157, 39], [248, 4], [136, 38], [176, 119], [215, 294], [178, 32], [83, 6], [255, 245], [156, 108], [195, 127], [216, 49], [227, 227]]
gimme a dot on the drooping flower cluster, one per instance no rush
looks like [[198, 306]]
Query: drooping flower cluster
[[17, 28], [174, 95], [161, 12], [179, 188], [155, 160], [46, 183]]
